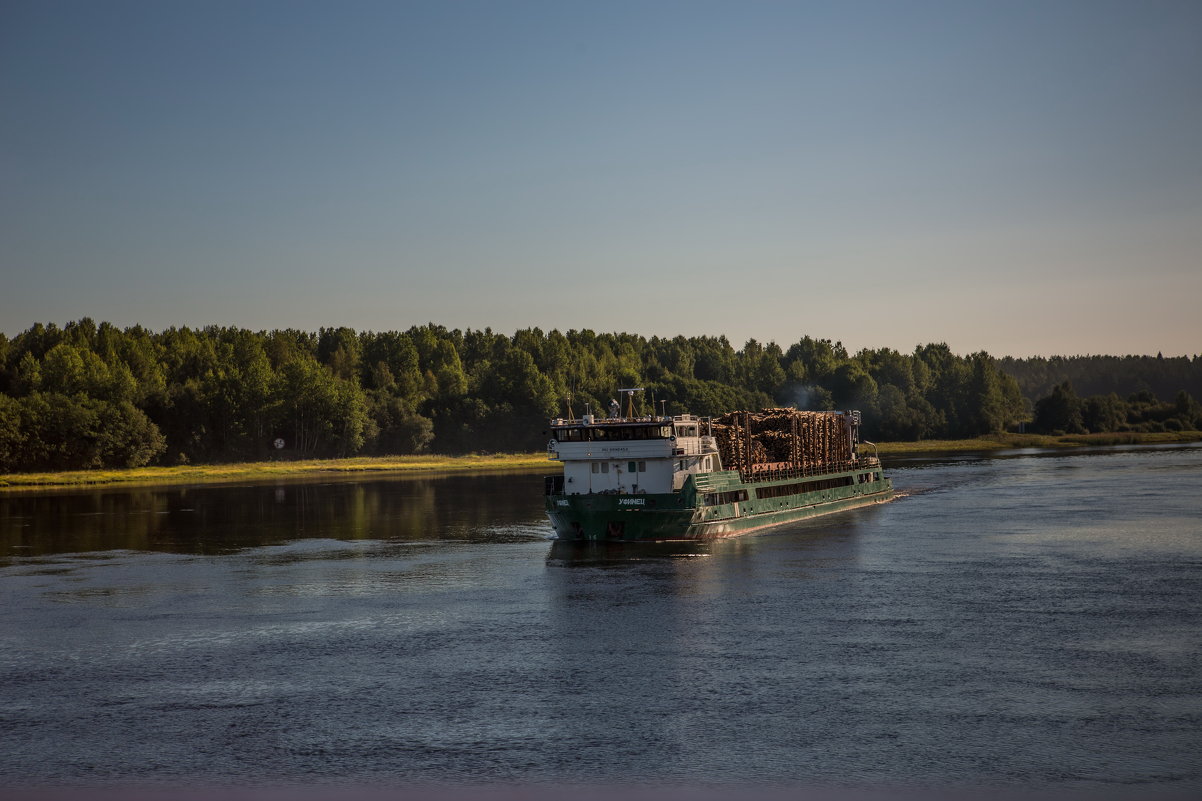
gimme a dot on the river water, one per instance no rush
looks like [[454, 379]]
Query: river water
[[1025, 620]]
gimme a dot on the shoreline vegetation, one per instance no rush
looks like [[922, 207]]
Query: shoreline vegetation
[[1002, 442], [477, 463], [91, 396]]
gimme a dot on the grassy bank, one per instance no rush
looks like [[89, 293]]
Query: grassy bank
[[1010, 441], [261, 471], [318, 468]]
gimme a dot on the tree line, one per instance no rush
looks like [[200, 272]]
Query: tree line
[[89, 395], [1063, 411]]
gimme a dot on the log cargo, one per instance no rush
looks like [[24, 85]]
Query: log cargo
[[787, 437]]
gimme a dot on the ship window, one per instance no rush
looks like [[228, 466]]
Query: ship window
[[719, 498], [605, 467], [781, 490], [632, 467], [595, 467], [642, 467]]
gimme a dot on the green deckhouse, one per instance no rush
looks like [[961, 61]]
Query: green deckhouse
[[630, 478]]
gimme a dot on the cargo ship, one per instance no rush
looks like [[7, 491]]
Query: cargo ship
[[657, 478]]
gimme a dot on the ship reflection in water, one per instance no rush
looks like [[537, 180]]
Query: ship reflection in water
[[567, 553]]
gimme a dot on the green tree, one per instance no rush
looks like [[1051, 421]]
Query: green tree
[[852, 387], [127, 437], [341, 350], [988, 408], [319, 414], [1059, 412], [1104, 413], [12, 440], [395, 428], [62, 432]]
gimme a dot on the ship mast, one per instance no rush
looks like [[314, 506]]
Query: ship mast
[[629, 391]]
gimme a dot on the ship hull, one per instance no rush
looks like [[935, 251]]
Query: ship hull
[[712, 508]]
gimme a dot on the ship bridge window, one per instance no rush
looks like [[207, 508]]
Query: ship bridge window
[[609, 434], [568, 434]]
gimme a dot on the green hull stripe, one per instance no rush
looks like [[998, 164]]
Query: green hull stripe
[[678, 516]]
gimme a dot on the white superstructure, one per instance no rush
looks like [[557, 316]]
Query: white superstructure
[[631, 455]]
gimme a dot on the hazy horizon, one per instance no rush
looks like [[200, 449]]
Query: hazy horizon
[[1022, 178]]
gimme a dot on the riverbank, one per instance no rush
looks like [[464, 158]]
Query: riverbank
[[997, 442], [318, 468], [261, 471]]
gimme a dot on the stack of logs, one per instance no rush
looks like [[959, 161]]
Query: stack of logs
[[782, 438]]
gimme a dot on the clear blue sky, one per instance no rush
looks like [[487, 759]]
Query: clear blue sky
[[1020, 177]]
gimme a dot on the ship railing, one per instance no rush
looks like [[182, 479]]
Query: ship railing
[[598, 420], [694, 447], [778, 470]]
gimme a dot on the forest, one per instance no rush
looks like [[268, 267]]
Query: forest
[[88, 395]]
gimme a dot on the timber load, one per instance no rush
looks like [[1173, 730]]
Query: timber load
[[784, 439]]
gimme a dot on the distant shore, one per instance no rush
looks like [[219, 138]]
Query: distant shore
[[416, 465], [999, 442]]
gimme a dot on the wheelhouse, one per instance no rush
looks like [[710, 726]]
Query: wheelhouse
[[611, 432]]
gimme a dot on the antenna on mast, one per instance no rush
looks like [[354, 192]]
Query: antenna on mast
[[630, 398]]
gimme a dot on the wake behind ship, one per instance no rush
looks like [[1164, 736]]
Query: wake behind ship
[[683, 477]]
